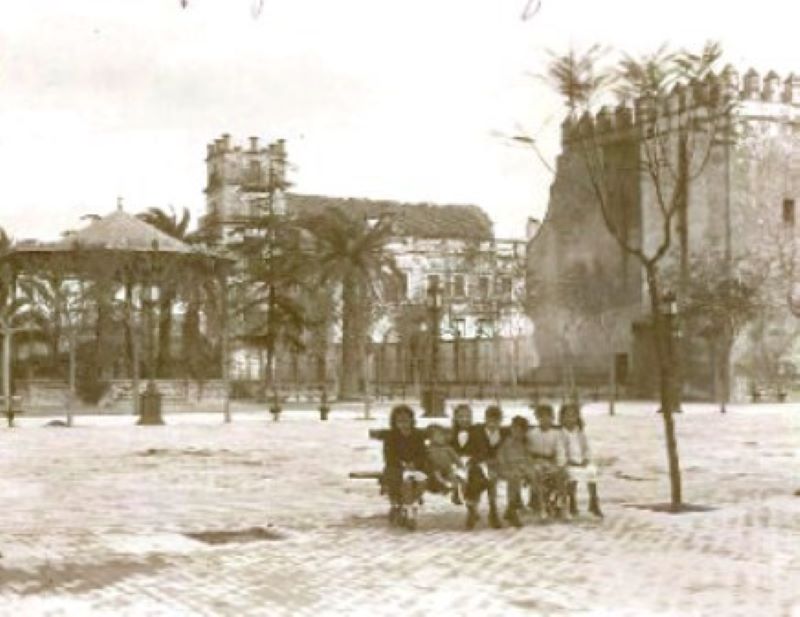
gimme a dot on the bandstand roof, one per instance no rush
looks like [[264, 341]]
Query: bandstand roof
[[118, 236]]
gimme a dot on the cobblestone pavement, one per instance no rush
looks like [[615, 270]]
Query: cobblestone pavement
[[93, 520]]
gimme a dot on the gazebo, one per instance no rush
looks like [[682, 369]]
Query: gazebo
[[130, 261]]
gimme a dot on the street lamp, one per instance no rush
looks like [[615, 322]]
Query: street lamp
[[669, 312], [432, 396]]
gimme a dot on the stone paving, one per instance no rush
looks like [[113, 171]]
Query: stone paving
[[93, 520]]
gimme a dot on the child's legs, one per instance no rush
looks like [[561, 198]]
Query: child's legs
[[514, 492], [542, 485], [438, 482], [411, 491], [491, 493], [476, 484], [392, 482]]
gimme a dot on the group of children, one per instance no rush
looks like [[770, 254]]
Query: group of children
[[469, 459]]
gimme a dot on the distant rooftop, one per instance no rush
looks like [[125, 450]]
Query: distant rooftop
[[421, 220]]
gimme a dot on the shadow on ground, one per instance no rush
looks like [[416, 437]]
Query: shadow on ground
[[75, 578]]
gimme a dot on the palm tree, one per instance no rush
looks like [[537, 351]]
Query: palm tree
[[577, 77], [176, 227], [352, 254], [269, 296], [16, 313]]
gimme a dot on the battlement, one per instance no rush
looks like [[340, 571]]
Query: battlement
[[222, 145], [625, 121]]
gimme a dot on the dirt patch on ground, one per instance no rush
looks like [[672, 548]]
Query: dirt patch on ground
[[204, 452], [254, 534]]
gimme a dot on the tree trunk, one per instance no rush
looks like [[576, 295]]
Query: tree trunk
[[716, 386], [128, 333], [151, 333], [664, 354], [164, 358], [99, 337], [225, 349], [612, 384], [496, 362], [351, 340], [73, 353], [134, 339], [7, 333], [515, 366], [190, 337], [725, 373], [366, 380]]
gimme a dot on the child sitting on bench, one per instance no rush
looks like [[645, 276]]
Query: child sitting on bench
[[447, 470], [406, 460], [546, 448], [515, 467], [579, 466]]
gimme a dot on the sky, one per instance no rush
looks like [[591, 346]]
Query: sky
[[413, 100]]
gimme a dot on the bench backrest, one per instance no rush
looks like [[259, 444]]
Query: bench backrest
[[381, 433]]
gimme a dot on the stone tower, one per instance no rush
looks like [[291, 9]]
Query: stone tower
[[740, 205], [241, 183]]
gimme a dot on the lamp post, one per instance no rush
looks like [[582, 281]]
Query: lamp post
[[669, 312], [433, 397]]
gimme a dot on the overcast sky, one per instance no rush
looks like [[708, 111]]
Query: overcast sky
[[402, 99]]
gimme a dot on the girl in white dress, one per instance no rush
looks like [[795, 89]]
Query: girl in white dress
[[578, 458]]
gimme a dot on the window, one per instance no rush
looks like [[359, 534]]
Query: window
[[460, 328], [459, 287], [254, 173], [434, 282], [506, 286], [484, 328], [788, 212], [483, 286]]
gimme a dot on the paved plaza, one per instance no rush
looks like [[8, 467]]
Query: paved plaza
[[106, 518]]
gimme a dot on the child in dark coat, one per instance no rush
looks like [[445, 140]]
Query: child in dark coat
[[405, 459], [479, 445]]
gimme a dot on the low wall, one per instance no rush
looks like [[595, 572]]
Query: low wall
[[171, 390], [55, 394], [43, 393]]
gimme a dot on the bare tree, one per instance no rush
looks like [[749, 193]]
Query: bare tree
[[677, 128]]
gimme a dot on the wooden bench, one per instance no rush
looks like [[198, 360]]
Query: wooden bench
[[379, 434]]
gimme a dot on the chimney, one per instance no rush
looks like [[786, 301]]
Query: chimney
[[254, 144], [226, 141]]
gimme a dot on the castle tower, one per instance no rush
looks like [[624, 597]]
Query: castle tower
[[242, 183], [740, 205]]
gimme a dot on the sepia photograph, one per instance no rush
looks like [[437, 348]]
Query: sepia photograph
[[321, 308]]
